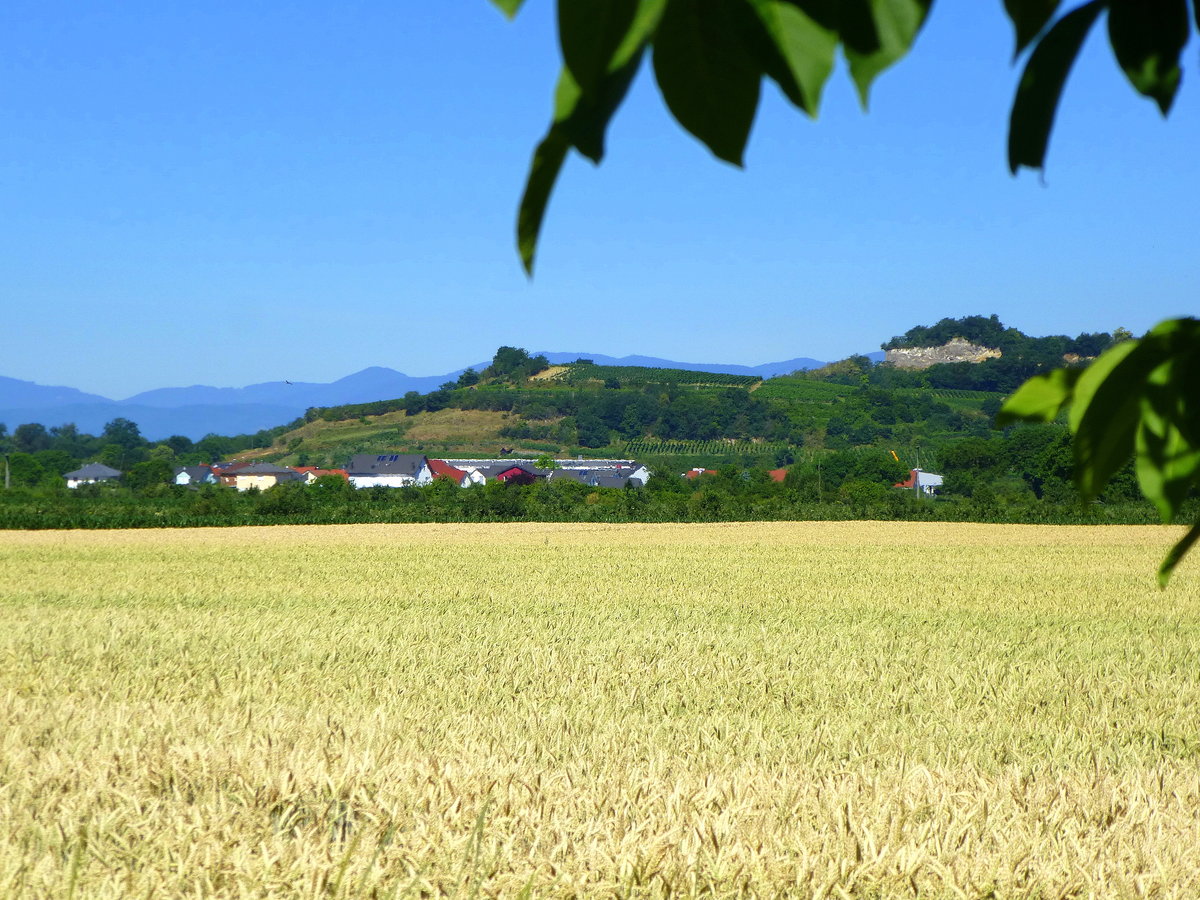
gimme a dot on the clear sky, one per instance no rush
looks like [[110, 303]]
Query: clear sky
[[225, 193]]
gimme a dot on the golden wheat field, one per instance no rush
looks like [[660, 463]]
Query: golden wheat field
[[763, 710]]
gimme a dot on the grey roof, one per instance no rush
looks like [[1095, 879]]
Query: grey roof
[[580, 475], [196, 473], [264, 469], [386, 464], [611, 480], [96, 471]]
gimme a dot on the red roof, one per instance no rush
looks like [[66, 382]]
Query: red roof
[[778, 474], [910, 481], [518, 475], [696, 473], [440, 468]]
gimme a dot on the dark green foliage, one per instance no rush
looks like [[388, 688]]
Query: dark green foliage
[[31, 438], [1138, 399], [514, 364], [830, 485], [149, 473]]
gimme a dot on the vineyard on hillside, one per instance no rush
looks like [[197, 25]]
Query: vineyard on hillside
[[626, 376], [652, 447]]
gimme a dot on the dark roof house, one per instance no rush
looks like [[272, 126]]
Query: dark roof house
[[90, 474], [387, 464]]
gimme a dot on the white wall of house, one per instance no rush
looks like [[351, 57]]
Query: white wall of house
[[391, 481]]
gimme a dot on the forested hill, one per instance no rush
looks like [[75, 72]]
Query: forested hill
[[1021, 355], [989, 331]]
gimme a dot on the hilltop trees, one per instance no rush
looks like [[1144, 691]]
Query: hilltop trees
[[515, 364]]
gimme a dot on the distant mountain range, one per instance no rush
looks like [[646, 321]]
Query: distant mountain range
[[199, 410]]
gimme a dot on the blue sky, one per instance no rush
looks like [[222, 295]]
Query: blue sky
[[210, 194]]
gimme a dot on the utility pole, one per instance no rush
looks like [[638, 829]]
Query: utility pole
[[6, 474]]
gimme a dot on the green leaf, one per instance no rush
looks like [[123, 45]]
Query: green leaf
[[794, 50], [543, 172], [876, 33], [1105, 413], [708, 80], [585, 116], [1147, 37], [1167, 465], [1029, 17], [1040, 399], [509, 7], [1176, 553], [1168, 453], [581, 120], [589, 33], [1033, 109]]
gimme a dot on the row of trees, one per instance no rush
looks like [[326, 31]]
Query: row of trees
[[840, 485], [35, 454]]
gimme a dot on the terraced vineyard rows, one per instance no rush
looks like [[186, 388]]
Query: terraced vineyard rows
[[696, 448], [634, 375]]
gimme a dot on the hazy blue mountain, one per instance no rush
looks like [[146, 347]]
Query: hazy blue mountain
[[374, 383], [766, 370], [14, 392], [157, 423]]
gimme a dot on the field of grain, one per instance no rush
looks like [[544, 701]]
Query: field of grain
[[831, 710]]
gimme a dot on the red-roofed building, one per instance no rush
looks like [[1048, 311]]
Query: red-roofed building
[[696, 473], [442, 469], [779, 475], [922, 482], [518, 475]]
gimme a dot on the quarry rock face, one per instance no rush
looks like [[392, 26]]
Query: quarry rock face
[[953, 351]]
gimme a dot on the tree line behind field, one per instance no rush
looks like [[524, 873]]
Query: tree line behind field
[[846, 434], [843, 485]]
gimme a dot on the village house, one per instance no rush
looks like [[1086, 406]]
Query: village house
[[92, 473], [262, 476], [442, 469], [389, 470], [226, 472], [195, 475], [610, 478], [922, 482]]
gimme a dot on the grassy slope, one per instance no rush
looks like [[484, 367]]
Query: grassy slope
[[468, 433], [447, 432]]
